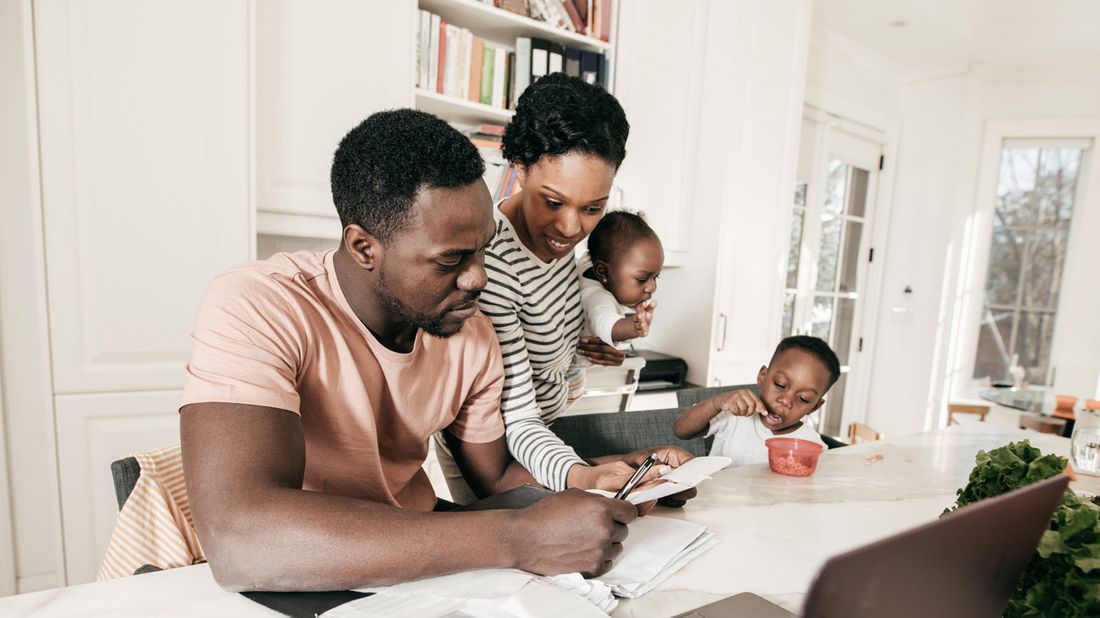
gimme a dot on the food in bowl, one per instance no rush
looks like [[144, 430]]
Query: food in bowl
[[793, 456]]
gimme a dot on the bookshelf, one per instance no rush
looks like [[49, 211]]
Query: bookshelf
[[501, 27], [352, 58]]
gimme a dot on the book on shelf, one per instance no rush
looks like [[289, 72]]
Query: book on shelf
[[433, 53], [477, 52], [423, 45], [488, 66]]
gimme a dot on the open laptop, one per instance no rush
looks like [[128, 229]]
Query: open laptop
[[964, 564]]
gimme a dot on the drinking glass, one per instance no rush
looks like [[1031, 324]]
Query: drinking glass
[[1086, 449]]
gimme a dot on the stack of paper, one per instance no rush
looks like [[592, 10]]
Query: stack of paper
[[655, 549], [491, 593]]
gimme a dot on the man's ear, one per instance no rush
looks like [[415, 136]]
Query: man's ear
[[760, 375], [602, 270], [364, 249]]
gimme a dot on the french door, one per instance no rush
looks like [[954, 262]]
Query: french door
[[829, 256]]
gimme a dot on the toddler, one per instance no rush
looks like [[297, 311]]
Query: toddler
[[792, 385]]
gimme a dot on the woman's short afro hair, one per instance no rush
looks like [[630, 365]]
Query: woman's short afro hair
[[559, 114], [381, 165]]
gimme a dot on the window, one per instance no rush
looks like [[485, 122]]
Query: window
[[1036, 190]]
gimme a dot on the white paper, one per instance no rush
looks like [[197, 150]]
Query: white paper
[[686, 476], [651, 552], [488, 593]]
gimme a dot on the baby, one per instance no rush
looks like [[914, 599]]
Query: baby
[[792, 385], [620, 270]]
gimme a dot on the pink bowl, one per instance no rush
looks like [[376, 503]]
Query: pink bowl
[[793, 456]]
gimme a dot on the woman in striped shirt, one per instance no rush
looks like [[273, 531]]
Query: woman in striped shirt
[[567, 140]]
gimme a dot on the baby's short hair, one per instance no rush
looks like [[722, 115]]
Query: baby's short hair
[[615, 231], [816, 347]]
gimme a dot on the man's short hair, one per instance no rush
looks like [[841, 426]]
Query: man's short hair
[[817, 348], [381, 165], [615, 232]]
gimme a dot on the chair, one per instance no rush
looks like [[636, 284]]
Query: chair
[[859, 431], [1043, 423], [125, 473], [956, 407], [687, 397], [160, 522], [594, 435]]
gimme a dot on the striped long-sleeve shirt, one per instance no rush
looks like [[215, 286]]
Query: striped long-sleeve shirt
[[536, 309]]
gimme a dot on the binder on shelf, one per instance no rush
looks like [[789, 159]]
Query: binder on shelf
[[590, 67], [555, 58], [540, 58], [572, 62]]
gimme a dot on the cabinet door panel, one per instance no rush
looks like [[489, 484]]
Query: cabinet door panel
[[321, 68], [92, 431], [659, 64], [143, 111]]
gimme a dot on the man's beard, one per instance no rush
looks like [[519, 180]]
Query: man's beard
[[431, 324]]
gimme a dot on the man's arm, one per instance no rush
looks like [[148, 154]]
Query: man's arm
[[260, 531]]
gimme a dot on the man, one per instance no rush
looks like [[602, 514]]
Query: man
[[317, 379]]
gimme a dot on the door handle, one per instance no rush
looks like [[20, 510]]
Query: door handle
[[722, 338]]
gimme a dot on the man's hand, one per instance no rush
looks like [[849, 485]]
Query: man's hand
[[595, 350], [643, 317], [742, 402], [573, 531]]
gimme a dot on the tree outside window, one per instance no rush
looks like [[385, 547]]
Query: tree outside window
[[1036, 188]]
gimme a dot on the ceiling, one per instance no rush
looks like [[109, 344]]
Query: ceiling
[[924, 37]]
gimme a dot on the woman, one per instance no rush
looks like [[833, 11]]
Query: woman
[[567, 140]]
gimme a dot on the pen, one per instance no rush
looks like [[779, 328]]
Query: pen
[[637, 476]]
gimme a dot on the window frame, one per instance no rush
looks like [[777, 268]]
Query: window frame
[[976, 241]]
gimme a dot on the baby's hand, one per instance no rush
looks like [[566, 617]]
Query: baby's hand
[[643, 317], [742, 402]]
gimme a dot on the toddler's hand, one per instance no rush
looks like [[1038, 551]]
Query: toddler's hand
[[643, 317], [742, 402]]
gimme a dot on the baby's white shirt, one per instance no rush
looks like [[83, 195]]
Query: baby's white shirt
[[601, 310], [741, 438]]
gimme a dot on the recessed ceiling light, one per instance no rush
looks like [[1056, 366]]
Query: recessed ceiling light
[[899, 23]]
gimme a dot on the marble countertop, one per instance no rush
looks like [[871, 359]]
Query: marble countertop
[[774, 531]]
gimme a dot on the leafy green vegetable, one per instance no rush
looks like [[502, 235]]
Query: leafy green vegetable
[[1063, 578]]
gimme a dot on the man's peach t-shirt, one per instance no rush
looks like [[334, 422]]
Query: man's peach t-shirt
[[279, 333]]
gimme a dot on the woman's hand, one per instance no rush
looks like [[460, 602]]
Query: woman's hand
[[595, 350]]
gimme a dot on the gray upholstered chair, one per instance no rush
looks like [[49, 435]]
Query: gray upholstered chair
[[125, 473], [593, 435]]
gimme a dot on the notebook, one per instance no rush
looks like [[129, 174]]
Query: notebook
[[964, 564]]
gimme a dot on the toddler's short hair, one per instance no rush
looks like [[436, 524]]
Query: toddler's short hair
[[816, 347]]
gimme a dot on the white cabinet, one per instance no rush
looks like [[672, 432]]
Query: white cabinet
[[143, 119], [722, 315], [659, 81], [92, 431], [144, 126], [321, 68]]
